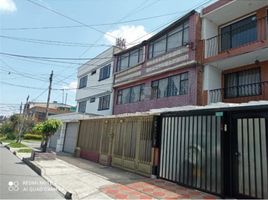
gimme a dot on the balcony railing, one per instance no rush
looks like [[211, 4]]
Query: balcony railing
[[247, 92], [234, 37]]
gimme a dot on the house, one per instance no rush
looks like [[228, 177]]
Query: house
[[95, 94], [163, 71], [235, 35], [37, 110]]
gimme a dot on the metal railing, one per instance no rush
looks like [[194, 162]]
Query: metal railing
[[241, 36], [253, 91]]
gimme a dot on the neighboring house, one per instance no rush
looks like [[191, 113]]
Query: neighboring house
[[37, 110], [95, 78], [65, 139], [163, 71], [235, 35]]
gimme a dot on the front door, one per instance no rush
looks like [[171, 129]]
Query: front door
[[249, 155]]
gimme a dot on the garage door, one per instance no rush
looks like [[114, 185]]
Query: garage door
[[71, 137], [53, 139]]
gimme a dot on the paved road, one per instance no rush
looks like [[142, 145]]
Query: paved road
[[18, 181]]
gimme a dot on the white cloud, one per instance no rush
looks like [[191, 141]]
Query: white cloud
[[72, 85], [132, 34], [7, 6]]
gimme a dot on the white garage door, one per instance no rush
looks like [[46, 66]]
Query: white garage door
[[71, 137], [53, 139]]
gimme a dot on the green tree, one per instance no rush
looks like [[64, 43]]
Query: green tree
[[47, 129]]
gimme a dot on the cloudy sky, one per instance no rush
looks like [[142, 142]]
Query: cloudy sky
[[69, 29]]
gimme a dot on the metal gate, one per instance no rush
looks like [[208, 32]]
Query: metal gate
[[249, 155], [191, 150]]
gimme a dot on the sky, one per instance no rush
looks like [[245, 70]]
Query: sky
[[79, 29]]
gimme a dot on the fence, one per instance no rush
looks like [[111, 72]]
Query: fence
[[122, 142], [220, 151], [247, 92]]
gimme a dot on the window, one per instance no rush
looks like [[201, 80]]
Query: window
[[82, 106], [104, 102], [244, 83], [105, 72], [130, 59], [92, 100], [131, 95], [171, 86], [239, 33], [173, 39], [93, 72], [83, 82]]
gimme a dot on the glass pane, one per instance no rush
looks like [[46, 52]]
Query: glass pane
[[174, 41], [185, 36], [163, 88], [125, 95], [135, 94], [134, 58], [230, 85], [225, 38], [159, 47], [244, 31], [123, 62]]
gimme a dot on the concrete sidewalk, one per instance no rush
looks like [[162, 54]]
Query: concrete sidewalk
[[89, 180]]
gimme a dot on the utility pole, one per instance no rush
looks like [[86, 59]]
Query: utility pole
[[62, 96], [23, 118], [66, 98], [49, 91], [20, 108]]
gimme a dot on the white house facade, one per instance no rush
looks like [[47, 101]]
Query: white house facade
[[95, 84]]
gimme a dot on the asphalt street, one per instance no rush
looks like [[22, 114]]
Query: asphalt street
[[18, 181]]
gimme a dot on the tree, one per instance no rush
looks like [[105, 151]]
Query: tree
[[47, 129]]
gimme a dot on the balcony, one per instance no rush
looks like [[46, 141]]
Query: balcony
[[239, 94], [247, 34]]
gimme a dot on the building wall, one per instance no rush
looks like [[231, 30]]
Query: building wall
[[189, 99], [96, 88], [185, 58]]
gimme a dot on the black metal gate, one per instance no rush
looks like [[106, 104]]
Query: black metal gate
[[249, 154], [191, 150]]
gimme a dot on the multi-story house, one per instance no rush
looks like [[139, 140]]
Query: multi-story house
[[37, 110], [163, 71], [235, 35], [95, 79]]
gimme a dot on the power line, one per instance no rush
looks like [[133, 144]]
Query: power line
[[53, 42], [69, 18], [81, 26], [51, 58]]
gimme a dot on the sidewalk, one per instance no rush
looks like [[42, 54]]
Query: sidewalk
[[89, 180]]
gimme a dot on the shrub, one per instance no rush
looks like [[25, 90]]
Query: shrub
[[11, 136], [29, 136]]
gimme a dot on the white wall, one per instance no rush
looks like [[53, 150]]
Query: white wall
[[96, 88], [212, 78], [209, 30]]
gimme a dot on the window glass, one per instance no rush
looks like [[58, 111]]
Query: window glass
[[174, 40], [185, 36], [105, 72], [123, 62], [159, 47], [135, 94], [83, 82], [82, 106], [171, 86], [244, 83], [125, 96], [134, 58], [239, 33], [104, 102]]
